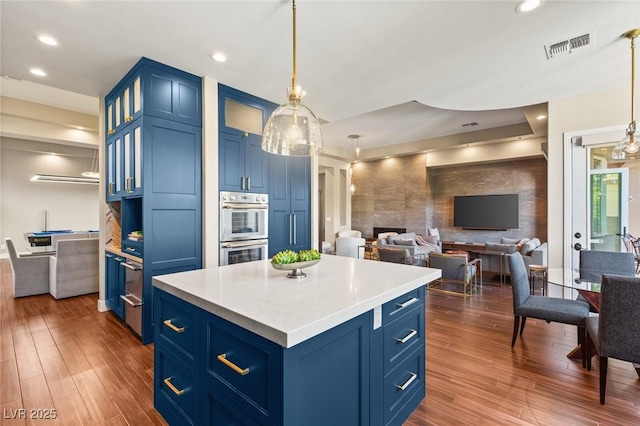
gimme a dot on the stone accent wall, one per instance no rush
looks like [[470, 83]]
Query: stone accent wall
[[403, 192], [391, 192], [526, 177]]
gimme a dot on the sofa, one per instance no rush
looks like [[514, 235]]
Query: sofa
[[415, 244], [74, 270], [533, 251]]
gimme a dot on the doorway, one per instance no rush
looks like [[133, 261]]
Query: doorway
[[599, 193]]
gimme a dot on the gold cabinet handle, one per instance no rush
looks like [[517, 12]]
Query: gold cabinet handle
[[111, 131], [175, 390], [110, 188], [407, 337], [223, 359], [408, 382], [173, 327]]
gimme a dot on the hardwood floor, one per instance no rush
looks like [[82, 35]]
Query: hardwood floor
[[67, 356]]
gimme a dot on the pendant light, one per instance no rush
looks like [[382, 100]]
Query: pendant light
[[357, 139], [293, 129], [629, 147]]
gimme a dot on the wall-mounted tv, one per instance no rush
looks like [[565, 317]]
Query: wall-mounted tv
[[486, 211]]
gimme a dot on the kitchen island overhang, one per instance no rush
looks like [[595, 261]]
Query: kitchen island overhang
[[263, 300]]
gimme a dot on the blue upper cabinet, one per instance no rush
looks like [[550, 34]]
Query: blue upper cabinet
[[154, 170], [244, 166]]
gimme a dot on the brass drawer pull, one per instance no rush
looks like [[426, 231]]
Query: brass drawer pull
[[407, 337], [223, 359], [407, 303], [408, 382], [175, 390], [173, 327]]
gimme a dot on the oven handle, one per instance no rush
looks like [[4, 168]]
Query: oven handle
[[236, 244], [131, 266], [245, 206]]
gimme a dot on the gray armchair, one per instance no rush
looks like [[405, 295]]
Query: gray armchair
[[549, 309], [458, 270], [30, 274], [74, 270], [614, 333], [400, 255]]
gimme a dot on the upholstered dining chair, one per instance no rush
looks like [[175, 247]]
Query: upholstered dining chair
[[399, 255], [549, 309], [457, 269], [30, 274], [594, 264], [614, 333]]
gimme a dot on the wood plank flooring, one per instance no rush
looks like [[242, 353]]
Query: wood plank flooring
[[67, 356]]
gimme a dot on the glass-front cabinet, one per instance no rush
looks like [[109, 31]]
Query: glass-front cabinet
[[124, 105]]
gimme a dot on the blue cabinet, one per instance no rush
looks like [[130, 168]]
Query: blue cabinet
[[289, 204], [154, 170], [349, 375], [114, 283], [244, 166]]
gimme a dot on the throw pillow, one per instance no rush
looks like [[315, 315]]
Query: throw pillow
[[504, 248], [528, 247], [401, 242], [505, 240], [434, 232], [423, 240]]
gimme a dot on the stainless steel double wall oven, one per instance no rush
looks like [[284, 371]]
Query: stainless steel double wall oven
[[244, 224]]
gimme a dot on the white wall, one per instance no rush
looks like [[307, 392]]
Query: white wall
[[591, 111], [332, 202], [69, 206]]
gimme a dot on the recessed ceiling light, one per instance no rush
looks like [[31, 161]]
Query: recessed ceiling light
[[218, 56], [47, 40], [541, 117], [38, 72], [528, 5]]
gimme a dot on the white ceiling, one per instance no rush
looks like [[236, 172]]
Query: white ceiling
[[390, 71]]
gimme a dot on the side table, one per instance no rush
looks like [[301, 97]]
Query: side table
[[537, 271]]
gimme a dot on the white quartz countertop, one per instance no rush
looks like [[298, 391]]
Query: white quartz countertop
[[287, 311]]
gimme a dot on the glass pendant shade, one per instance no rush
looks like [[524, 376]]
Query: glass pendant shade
[[629, 147], [294, 130]]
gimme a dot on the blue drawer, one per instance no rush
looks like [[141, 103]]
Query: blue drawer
[[219, 410], [175, 390], [402, 337], [399, 403], [248, 366], [176, 326], [400, 305], [133, 248]]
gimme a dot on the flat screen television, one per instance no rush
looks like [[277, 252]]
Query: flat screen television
[[486, 211]]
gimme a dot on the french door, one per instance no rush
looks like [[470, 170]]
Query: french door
[[596, 197]]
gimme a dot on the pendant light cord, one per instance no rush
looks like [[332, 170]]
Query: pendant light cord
[[294, 89], [633, 74]]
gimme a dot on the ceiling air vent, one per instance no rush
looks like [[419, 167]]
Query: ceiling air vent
[[475, 123], [8, 77], [568, 46]]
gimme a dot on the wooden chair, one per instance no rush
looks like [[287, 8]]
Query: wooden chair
[[614, 333]]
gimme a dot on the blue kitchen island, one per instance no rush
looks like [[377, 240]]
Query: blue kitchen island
[[244, 344]]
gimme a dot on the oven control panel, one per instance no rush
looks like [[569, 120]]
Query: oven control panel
[[243, 198]]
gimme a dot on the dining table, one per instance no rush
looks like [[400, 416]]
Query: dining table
[[569, 283]]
